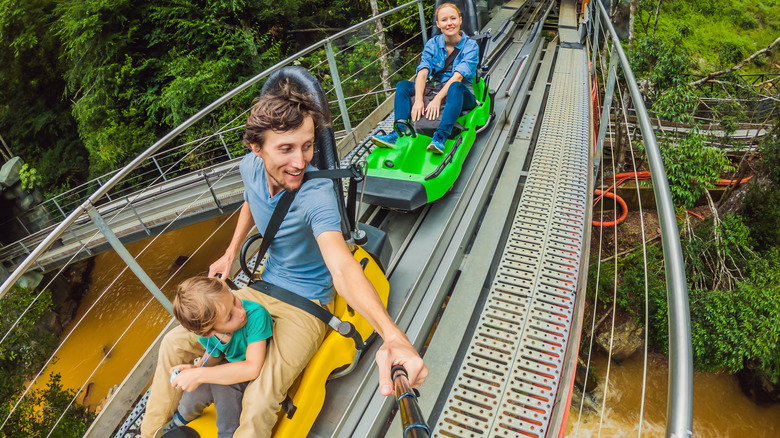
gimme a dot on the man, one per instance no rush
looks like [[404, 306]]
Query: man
[[308, 256]]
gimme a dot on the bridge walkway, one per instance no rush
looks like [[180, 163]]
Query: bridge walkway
[[509, 370]]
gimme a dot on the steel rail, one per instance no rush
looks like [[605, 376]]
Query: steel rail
[[104, 188], [679, 408]]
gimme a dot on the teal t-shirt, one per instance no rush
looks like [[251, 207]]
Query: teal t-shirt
[[258, 327]]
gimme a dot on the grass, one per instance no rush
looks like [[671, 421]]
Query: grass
[[722, 32]]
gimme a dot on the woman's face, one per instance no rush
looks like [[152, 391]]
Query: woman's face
[[448, 20]]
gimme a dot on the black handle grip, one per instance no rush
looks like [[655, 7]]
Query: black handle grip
[[412, 418], [242, 256]]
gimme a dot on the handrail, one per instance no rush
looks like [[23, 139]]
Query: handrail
[[679, 407], [125, 171]]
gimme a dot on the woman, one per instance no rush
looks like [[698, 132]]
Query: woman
[[456, 79]]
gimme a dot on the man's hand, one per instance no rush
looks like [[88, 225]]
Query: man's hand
[[222, 266], [399, 351]]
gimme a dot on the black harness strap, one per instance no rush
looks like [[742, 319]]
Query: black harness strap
[[273, 226], [447, 64], [343, 327]]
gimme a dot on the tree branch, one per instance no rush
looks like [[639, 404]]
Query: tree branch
[[736, 67]]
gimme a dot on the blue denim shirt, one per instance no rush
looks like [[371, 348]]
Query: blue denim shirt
[[435, 53]]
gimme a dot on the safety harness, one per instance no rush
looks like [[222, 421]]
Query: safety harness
[[344, 328]]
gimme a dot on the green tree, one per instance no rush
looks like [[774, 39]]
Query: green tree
[[138, 69], [23, 352], [730, 328], [35, 116]]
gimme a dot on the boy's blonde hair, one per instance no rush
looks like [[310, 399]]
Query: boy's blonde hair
[[195, 304]]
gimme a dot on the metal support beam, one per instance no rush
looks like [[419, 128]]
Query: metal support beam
[[334, 73], [129, 204], [606, 108], [162, 174], [224, 145], [126, 257], [423, 27]]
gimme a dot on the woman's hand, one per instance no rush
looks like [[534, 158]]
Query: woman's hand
[[434, 108], [417, 109]]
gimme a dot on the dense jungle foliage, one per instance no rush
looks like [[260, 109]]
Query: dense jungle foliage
[[88, 85], [733, 257]]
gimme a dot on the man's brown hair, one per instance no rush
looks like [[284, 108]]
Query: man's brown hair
[[195, 305], [281, 110]]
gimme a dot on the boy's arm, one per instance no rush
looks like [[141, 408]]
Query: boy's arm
[[225, 374]]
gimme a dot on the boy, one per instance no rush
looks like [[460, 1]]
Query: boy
[[224, 324]]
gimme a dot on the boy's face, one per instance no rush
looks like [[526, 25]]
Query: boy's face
[[285, 156], [231, 314]]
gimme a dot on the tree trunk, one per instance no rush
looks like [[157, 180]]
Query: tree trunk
[[657, 12], [631, 16], [5, 150], [712, 76], [382, 50]]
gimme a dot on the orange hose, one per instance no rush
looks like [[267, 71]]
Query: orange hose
[[694, 214], [620, 178], [726, 182], [620, 201]]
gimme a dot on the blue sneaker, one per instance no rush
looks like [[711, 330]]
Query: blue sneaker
[[385, 141], [436, 146], [176, 421]]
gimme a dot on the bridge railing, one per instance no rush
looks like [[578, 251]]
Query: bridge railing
[[680, 393], [352, 82]]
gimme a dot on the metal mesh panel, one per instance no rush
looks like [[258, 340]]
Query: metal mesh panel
[[507, 383]]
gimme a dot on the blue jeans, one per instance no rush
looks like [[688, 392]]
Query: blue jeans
[[459, 98]]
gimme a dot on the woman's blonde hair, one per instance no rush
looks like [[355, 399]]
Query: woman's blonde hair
[[195, 305]]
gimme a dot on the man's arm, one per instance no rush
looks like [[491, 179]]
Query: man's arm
[[245, 223], [191, 377], [352, 284]]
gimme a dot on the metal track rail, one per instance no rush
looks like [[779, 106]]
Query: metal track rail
[[508, 380]]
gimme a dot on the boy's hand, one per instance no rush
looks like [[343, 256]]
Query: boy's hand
[[187, 377]]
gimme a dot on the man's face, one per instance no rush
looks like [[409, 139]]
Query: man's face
[[231, 314], [286, 155]]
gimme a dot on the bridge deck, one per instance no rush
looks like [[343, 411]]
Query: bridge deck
[[508, 379]]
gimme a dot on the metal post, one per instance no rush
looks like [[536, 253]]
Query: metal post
[[224, 145], [22, 223], [162, 174], [423, 27], [334, 73], [129, 204], [71, 230], [595, 44], [126, 257], [24, 247], [679, 407], [100, 184], [606, 108]]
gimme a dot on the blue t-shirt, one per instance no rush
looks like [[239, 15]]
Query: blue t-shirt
[[294, 258], [258, 327], [435, 53]]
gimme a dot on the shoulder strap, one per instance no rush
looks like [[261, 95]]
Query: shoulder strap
[[273, 225], [448, 62], [344, 328]]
